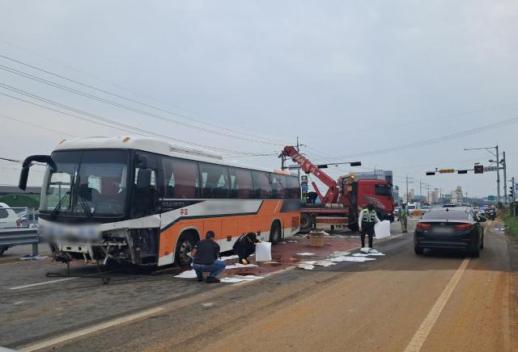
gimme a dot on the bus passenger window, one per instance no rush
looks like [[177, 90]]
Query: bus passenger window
[[278, 184], [181, 178], [214, 181], [262, 187], [240, 183]]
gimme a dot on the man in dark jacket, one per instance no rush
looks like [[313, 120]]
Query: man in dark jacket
[[245, 246], [206, 254]]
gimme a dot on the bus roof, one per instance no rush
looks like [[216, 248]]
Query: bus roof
[[151, 145]]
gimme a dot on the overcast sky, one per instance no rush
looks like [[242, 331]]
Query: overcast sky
[[348, 77]]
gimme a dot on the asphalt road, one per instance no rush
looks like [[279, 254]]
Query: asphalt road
[[401, 302]]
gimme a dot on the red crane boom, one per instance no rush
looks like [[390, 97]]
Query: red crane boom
[[308, 167]]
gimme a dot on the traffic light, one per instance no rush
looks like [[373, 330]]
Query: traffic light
[[430, 173], [511, 192], [462, 171], [479, 169], [446, 171]]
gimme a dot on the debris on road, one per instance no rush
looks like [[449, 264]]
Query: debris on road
[[238, 278], [188, 274], [305, 266], [305, 254], [33, 257]]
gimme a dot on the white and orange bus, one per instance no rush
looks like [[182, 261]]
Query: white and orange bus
[[145, 202]]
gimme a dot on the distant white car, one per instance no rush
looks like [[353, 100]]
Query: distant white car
[[8, 217]]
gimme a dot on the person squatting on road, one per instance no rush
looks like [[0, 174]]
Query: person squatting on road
[[245, 246], [205, 259], [366, 221], [403, 218]]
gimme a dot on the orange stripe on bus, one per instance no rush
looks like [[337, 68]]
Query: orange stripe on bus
[[232, 225]]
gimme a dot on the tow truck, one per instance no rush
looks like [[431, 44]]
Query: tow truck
[[339, 207]]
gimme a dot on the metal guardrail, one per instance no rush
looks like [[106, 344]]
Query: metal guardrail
[[14, 237]]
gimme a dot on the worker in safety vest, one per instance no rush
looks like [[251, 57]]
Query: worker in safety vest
[[366, 221], [403, 218]]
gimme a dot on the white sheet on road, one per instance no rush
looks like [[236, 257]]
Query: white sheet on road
[[305, 266], [351, 259], [189, 274], [305, 254], [371, 254], [239, 266], [239, 278], [324, 263]]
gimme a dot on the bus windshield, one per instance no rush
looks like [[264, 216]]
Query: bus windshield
[[86, 183]]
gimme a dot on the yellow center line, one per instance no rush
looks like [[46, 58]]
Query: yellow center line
[[429, 322]]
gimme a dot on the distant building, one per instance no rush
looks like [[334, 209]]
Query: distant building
[[457, 196]]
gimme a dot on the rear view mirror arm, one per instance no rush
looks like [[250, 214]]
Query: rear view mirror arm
[[27, 163]]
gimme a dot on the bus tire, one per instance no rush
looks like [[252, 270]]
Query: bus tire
[[184, 246], [275, 232], [306, 222]]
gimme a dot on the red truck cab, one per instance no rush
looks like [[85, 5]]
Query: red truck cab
[[379, 193]]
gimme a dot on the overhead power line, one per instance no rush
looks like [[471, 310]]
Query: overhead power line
[[100, 120], [7, 117], [435, 140], [229, 132]]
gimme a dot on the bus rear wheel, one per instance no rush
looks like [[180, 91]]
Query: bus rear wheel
[[275, 232], [184, 247]]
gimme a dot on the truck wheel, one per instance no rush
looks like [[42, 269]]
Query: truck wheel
[[306, 222], [275, 232], [418, 250], [183, 248]]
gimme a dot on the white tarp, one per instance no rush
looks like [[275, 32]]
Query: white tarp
[[382, 229], [263, 252]]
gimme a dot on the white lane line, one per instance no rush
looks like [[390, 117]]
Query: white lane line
[[90, 330], [41, 283], [428, 323]]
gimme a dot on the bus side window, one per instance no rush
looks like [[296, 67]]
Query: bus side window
[[293, 187], [181, 178], [214, 181], [262, 187], [278, 185], [240, 183]]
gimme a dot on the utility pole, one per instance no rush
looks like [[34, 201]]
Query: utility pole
[[408, 180], [513, 205], [504, 164], [420, 188], [497, 175]]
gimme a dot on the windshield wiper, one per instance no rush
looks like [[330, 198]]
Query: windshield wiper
[[55, 212], [85, 207]]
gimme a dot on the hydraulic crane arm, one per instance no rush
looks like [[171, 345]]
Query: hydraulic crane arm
[[308, 167]]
